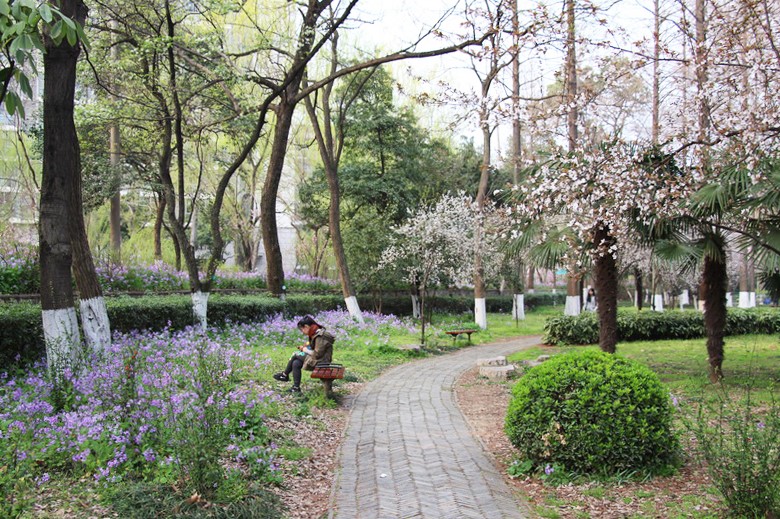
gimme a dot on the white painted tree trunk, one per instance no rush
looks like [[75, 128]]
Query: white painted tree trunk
[[658, 302], [63, 343], [518, 307], [415, 307], [744, 299], [94, 322], [480, 312], [752, 299], [572, 305], [354, 309], [685, 299], [729, 300], [200, 304]]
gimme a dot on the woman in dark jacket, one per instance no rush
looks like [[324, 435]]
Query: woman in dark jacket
[[318, 349]]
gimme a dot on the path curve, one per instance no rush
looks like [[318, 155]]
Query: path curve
[[409, 453]]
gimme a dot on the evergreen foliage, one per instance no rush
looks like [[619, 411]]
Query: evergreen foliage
[[592, 413]]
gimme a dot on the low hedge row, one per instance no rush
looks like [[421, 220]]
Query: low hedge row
[[21, 330], [650, 326], [456, 304]]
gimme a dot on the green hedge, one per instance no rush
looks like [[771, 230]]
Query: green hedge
[[589, 412], [650, 326], [402, 304]]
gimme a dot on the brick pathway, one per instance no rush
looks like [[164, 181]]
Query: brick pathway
[[408, 451]]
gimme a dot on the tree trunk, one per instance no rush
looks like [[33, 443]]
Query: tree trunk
[[348, 290], [285, 110], [518, 297], [273, 251], [571, 77], [715, 279], [638, 288], [573, 296], [744, 283], [158, 225], [114, 155], [329, 148], [605, 269], [94, 317], [60, 167], [656, 121], [480, 311]]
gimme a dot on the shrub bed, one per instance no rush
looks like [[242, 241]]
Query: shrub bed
[[589, 412], [650, 326]]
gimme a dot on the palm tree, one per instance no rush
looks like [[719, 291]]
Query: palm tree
[[713, 220]]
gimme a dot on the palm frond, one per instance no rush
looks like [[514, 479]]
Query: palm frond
[[682, 254], [710, 200], [525, 236], [550, 253]]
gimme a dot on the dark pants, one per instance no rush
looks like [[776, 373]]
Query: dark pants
[[294, 366]]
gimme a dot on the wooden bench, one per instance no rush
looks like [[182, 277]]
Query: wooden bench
[[455, 334], [327, 372]]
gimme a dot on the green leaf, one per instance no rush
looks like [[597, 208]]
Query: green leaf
[[20, 108], [5, 73], [11, 102], [46, 13], [56, 30], [33, 18], [72, 37], [15, 44], [18, 28], [82, 35], [70, 23], [5, 7], [24, 84], [36, 41], [26, 43]]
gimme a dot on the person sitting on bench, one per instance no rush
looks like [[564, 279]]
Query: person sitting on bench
[[317, 350]]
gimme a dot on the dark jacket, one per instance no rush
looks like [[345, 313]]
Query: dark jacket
[[322, 344]]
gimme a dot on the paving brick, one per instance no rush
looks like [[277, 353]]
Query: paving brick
[[406, 425]]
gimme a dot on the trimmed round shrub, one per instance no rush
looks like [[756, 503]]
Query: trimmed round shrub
[[593, 413]]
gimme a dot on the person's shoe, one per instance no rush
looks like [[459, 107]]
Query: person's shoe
[[294, 389], [281, 377]]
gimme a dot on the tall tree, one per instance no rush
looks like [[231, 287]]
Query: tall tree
[[518, 299], [498, 55], [61, 166], [573, 297], [328, 130]]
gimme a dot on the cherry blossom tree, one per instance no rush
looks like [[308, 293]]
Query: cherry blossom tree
[[434, 245], [600, 195]]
